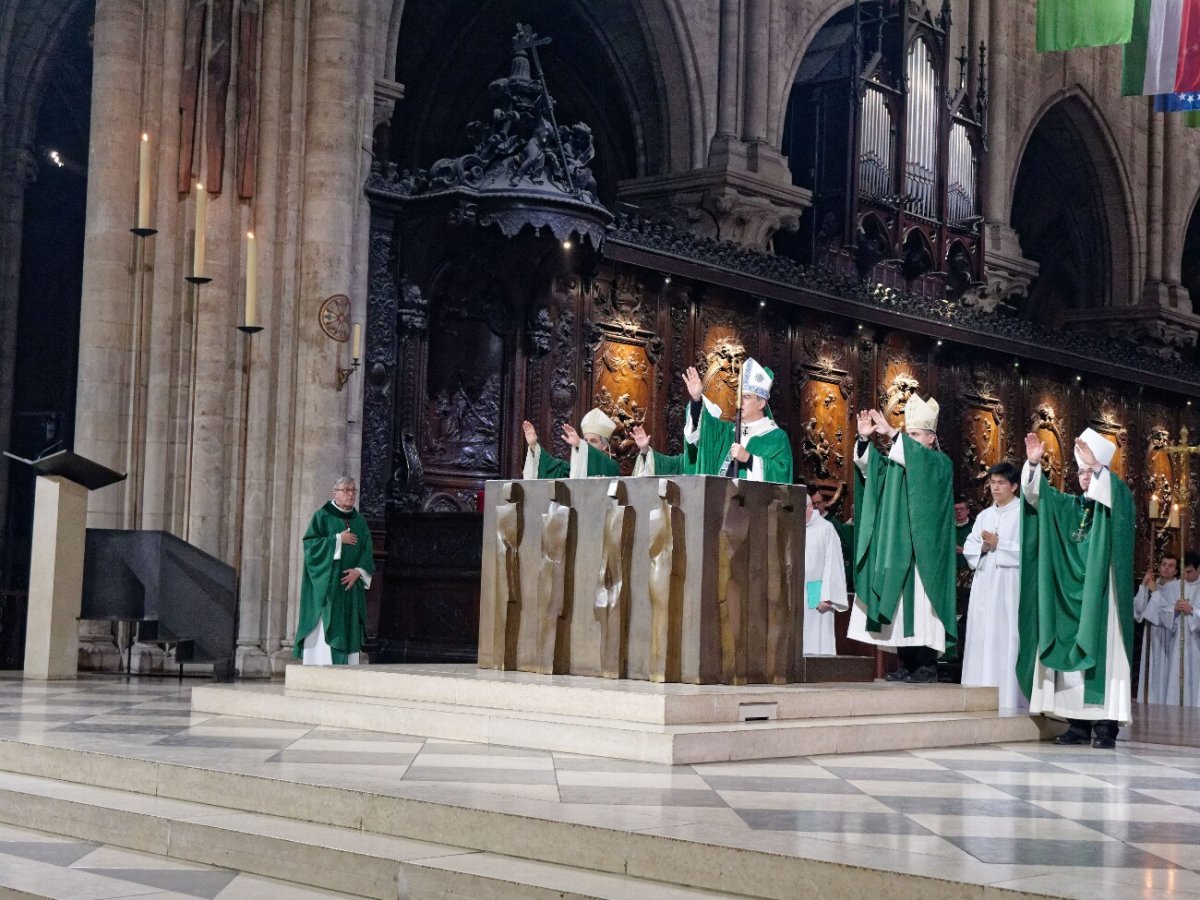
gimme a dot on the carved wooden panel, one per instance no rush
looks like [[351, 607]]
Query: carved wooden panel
[[1047, 412], [189, 90], [622, 386], [900, 378], [823, 391], [981, 420], [246, 151], [727, 337], [1108, 418]]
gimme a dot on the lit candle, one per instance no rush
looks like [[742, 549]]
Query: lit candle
[[143, 213], [1154, 506], [1173, 520], [251, 280], [356, 351], [201, 230]]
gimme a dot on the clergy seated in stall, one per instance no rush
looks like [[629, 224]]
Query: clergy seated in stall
[[993, 550], [904, 567], [824, 583], [1076, 614], [338, 565], [1155, 641], [1176, 655], [590, 457], [762, 452]]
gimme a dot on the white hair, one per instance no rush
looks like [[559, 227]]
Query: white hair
[[344, 481]]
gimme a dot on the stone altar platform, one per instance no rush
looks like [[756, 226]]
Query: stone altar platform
[[672, 724]]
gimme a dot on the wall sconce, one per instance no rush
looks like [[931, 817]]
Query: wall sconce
[[343, 375]]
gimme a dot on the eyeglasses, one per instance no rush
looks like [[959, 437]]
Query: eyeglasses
[[346, 490]]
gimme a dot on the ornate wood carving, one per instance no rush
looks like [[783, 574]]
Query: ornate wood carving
[[1044, 422], [621, 386], [726, 338], [900, 379], [680, 318], [981, 422], [379, 364], [1108, 419], [822, 391]]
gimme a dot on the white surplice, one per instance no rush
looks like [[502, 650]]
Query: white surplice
[[928, 630], [992, 640], [823, 564], [1061, 694], [1155, 642], [1169, 650]]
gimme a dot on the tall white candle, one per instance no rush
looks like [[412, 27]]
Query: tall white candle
[[201, 229], [356, 351], [251, 280], [143, 210]]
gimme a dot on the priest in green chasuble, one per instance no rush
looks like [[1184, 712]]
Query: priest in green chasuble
[[338, 565], [590, 455], [762, 452], [1076, 610], [904, 542]]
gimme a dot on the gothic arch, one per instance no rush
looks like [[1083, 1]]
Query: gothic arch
[[1072, 209], [780, 102], [1190, 269], [609, 65]]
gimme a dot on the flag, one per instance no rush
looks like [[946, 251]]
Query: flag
[[1065, 24], [1187, 76], [1176, 102], [1192, 119], [1151, 57]]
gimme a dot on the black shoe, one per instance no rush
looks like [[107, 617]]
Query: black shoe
[[1073, 737], [900, 674], [1104, 743], [923, 675]]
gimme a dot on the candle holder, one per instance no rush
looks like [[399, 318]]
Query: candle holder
[[343, 375], [249, 329], [196, 279], [144, 232], [1182, 453]]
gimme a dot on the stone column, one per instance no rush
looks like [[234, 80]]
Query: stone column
[[1175, 212], [331, 199], [1154, 292], [728, 68], [758, 42], [102, 404]]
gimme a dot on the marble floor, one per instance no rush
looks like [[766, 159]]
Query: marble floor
[[1047, 820]]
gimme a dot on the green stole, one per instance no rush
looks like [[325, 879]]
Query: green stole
[[322, 597], [674, 464], [717, 436], [903, 524], [1069, 546], [597, 464]]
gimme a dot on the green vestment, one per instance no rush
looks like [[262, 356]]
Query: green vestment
[[322, 597], [716, 437], [675, 464], [904, 524], [598, 464], [845, 533], [1069, 548], [961, 533]]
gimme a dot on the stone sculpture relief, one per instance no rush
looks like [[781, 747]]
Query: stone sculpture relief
[[552, 581], [732, 566], [667, 572], [781, 515], [611, 588], [507, 620]]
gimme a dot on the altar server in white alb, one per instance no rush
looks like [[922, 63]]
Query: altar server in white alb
[[1155, 641], [1177, 630], [825, 583], [993, 550]]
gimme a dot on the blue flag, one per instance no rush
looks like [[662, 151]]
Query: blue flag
[[1177, 102]]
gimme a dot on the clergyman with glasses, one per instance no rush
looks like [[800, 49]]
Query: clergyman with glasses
[[338, 565]]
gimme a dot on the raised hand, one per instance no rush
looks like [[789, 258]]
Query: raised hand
[[1085, 453], [691, 379], [641, 439], [530, 434], [865, 426], [1035, 449], [570, 435], [881, 424]]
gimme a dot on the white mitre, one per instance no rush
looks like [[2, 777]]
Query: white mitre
[[1099, 445], [596, 422], [920, 413], [756, 379]]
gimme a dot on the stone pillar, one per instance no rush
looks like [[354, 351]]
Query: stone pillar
[[331, 200], [1154, 293], [102, 400], [758, 42], [1175, 212], [728, 69]]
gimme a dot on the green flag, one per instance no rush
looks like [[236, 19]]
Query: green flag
[[1066, 24]]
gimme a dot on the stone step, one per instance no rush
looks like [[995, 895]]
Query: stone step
[[373, 843], [349, 861], [616, 739], [633, 701]]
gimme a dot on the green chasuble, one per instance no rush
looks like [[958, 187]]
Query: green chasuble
[[845, 535], [1069, 547], [663, 464], [322, 596], [598, 464], [716, 438], [904, 523]]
